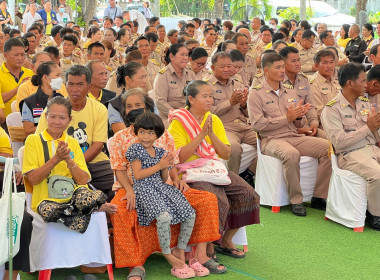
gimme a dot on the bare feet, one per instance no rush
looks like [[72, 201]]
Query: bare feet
[[108, 208], [179, 254], [173, 261]]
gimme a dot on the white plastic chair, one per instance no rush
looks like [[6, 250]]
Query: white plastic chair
[[347, 198], [13, 106], [247, 156], [53, 245], [14, 119], [270, 182]]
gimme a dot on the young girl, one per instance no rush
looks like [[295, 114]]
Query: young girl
[[156, 200]]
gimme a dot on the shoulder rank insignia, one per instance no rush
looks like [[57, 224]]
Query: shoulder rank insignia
[[258, 86], [364, 99], [311, 80], [162, 71], [154, 62], [288, 86], [109, 68], [303, 74], [331, 103], [67, 61], [113, 73]]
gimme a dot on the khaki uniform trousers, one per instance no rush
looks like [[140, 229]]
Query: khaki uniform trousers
[[240, 133], [289, 150], [365, 163]]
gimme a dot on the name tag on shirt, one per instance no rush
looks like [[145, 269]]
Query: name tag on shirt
[[270, 102], [218, 91], [348, 116]]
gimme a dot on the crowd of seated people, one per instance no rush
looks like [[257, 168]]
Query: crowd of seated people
[[125, 117]]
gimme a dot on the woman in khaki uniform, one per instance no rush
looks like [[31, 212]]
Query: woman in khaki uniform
[[169, 83]]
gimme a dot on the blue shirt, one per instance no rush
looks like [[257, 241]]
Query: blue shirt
[[113, 12]]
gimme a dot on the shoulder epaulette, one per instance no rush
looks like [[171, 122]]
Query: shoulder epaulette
[[258, 86], [109, 68], [364, 99], [206, 80], [162, 71], [303, 74], [154, 62], [331, 102], [259, 75], [311, 80]]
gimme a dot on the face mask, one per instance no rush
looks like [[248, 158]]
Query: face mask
[[132, 115], [273, 26], [62, 10], [56, 83]]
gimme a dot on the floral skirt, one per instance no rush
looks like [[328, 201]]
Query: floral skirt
[[134, 243], [76, 213]]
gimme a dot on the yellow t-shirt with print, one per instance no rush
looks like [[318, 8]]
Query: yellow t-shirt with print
[[8, 82], [34, 158], [181, 138], [87, 126]]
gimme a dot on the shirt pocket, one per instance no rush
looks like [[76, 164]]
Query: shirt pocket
[[272, 110], [174, 91], [219, 97], [349, 124]]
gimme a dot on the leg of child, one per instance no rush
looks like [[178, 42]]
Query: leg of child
[[164, 235], [184, 237]]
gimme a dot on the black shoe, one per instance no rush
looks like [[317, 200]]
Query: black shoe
[[249, 177], [298, 209], [318, 203], [373, 221]]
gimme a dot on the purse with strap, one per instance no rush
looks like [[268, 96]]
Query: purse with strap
[[59, 187]]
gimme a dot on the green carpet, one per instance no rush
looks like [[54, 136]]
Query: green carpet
[[285, 247]]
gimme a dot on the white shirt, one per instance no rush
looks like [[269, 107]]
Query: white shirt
[[28, 19], [60, 19]]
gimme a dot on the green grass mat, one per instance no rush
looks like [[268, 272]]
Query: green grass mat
[[284, 247]]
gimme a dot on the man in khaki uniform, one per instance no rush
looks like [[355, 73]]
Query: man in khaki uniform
[[151, 66], [265, 39], [252, 47], [230, 105], [323, 85], [209, 43], [259, 77], [373, 87], [249, 69], [328, 40], [276, 113], [69, 58], [350, 123], [307, 52], [255, 34], [168, 90]]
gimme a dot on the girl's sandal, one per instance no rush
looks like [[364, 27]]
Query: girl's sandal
[[213, 267], [183, 273], [199, 269]]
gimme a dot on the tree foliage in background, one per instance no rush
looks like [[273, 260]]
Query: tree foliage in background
[[86, 11], [169, 7], [294, 12], [373, 18], [263, 6]]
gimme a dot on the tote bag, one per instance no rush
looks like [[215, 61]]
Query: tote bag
[[17, 201]]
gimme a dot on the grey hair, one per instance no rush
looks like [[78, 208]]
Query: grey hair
[[192, 89], [133, 91], [37, 55], [78, 70], [90, 64], [59, 100]]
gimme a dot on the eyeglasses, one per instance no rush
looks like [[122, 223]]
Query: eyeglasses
[[212, 34]]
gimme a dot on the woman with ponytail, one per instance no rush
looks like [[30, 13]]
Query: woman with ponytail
[[49, 80]]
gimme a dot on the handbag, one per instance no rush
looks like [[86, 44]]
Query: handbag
[[205, 170], [12, 206], [59, 187]]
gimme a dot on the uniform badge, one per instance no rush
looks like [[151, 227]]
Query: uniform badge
[[292, 100], [348, 116], [269, 102], [173, 82], [364, 112]]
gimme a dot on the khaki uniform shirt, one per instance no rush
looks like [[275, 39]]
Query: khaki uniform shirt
[[302, 87], [260, 47], [120, 51], [201, 74], [345, 125], [156, 56], [231, 116], [66, 63], [134, 36], [168, 89], [161, 47], [152, 69], [323, 91], [267, 111], [209, 49], [255, 37], [257, 80], [249, 70], [307, 59]]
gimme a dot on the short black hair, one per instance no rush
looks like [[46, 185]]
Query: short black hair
[[152, 37], [28, 35], [285, 31], [108, 18], [153, 20], [236, 36], [12, 42], [149, 121], [171, 32], [197, 53], [55, 30], [65, 30], [275, 19], [277, 36], [286, 51], [236, 56], [307, 34], [269, 59], [266, 28], [323, 53], [95, 45], [374, 49], [52, 50], [78, 70], [349, 71], [324, 35], [197, 20], [207, 30], [189, 25], [13, 32], [71, 38], [374, 73]]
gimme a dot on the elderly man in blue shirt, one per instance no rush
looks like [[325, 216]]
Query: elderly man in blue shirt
[[112, 10]]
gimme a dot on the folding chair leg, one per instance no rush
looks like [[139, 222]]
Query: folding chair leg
[[276, 209], [44, 274], [110, 271], [358, 229], [245, 248]]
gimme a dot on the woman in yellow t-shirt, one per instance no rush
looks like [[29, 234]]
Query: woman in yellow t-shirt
[[343, 33], [238, 202], [55, 167]]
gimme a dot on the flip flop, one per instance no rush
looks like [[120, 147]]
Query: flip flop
[[183, 273], [199, 269], [136, 271], [212, 266], [229, 252], [213, 256]]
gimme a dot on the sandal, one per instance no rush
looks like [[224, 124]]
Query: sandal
[[212, 266], [229, 252], [213, 256], [183, 273], [199, 269], [136, 271]]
